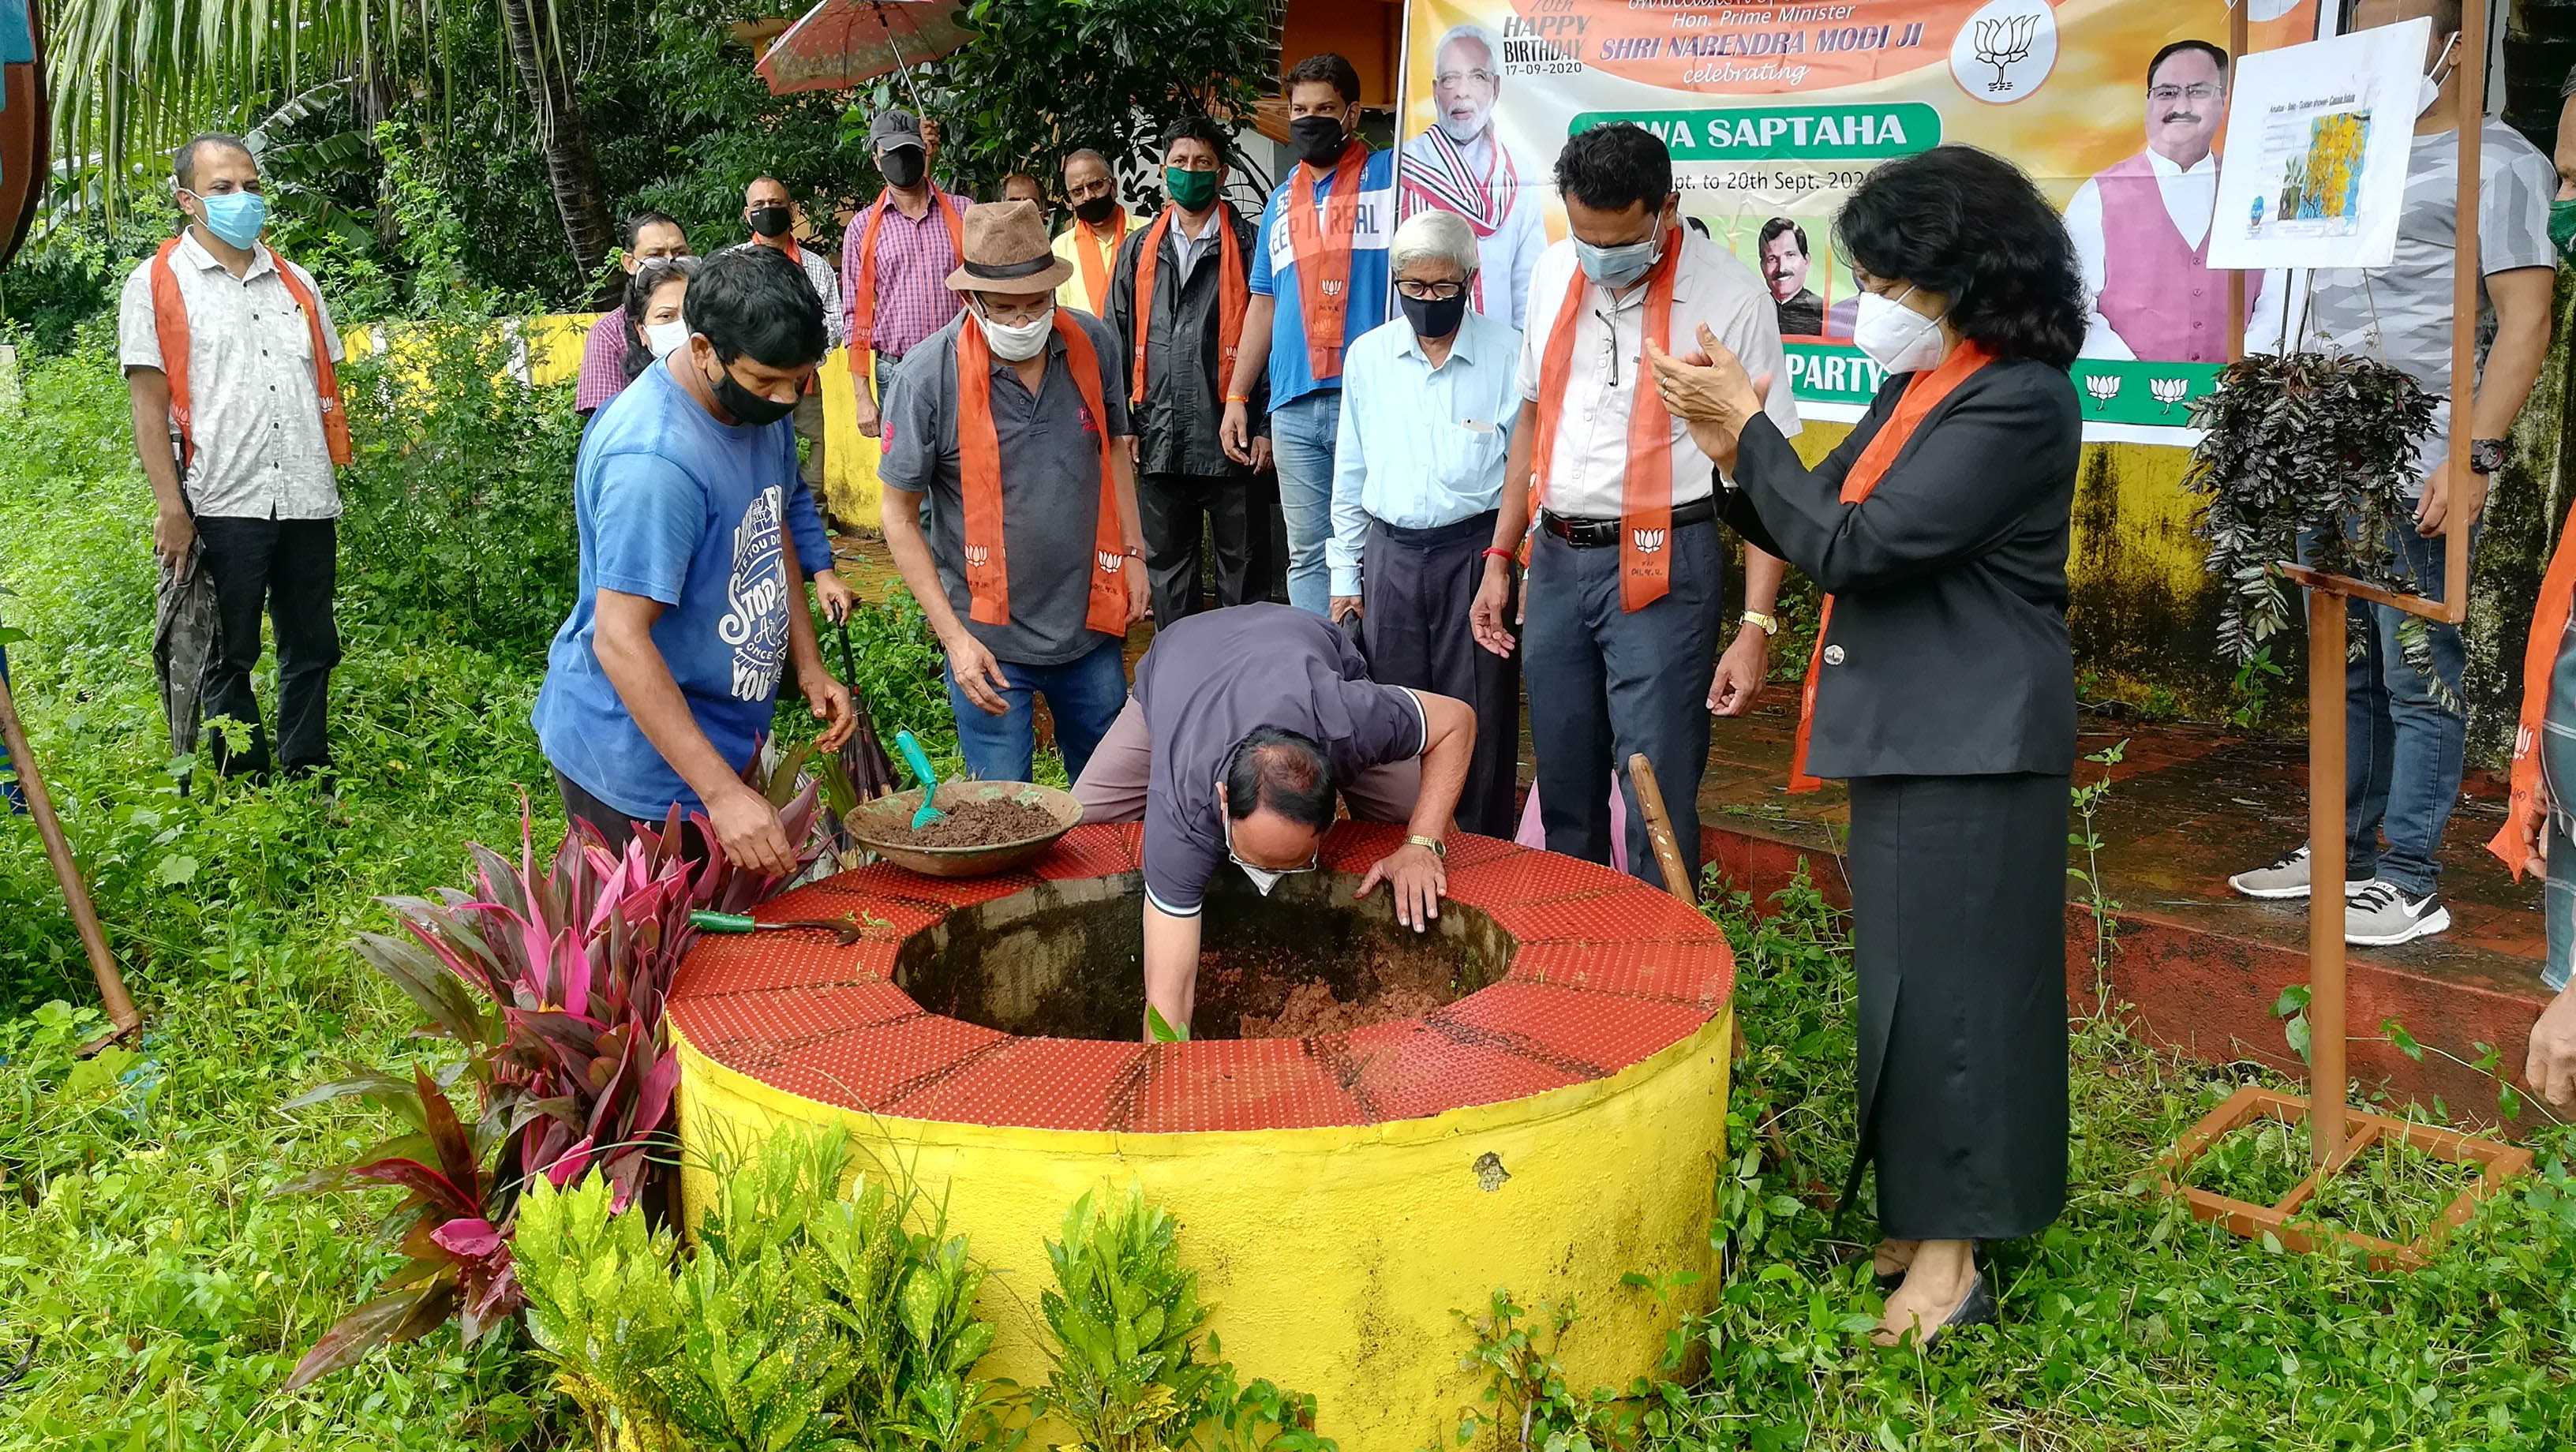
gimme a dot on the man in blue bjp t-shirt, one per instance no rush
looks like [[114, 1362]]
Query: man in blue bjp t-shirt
[[662, 683]]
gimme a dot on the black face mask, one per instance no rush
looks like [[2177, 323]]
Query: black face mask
[[902, 166], [1098, 209], [746, 406], [1433, 319], [772, 221], [1318, 140]]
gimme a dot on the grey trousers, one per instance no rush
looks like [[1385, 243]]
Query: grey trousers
[[1616, 683]]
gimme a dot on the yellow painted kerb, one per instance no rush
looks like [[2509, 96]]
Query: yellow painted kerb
[[1337, 1258]]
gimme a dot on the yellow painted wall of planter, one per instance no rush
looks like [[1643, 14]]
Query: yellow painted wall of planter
[[1337, 1258]]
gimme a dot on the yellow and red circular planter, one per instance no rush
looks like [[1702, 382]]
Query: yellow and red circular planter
[[1342, 1197]]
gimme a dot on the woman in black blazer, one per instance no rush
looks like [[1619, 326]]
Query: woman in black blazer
[[1943, 692]]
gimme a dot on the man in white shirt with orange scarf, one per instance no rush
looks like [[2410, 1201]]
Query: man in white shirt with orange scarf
[[1626, 566], [229, 346]]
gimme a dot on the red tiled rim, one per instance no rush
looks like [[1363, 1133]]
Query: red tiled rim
[[1604, 972]]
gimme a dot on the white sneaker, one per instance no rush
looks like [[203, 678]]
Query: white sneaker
[[2285, 879], [2381, 915]]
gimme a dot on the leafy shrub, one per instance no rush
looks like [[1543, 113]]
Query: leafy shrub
[[810, 1316], [459, 517]]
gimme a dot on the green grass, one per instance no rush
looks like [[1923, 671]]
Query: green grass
[[142, 1241]]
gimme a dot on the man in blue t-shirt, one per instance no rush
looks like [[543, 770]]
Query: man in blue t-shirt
[[662, 683], [1318, 281]]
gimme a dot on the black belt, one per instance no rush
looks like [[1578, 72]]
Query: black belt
[[1586, 534]]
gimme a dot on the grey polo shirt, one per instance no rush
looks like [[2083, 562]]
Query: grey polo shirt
[[256, 411], [1050, 453], [1212, 678]]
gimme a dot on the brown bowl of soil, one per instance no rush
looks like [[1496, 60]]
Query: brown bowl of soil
[[990, 827]]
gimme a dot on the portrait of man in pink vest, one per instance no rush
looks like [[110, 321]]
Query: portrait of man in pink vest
[[2141, 228]]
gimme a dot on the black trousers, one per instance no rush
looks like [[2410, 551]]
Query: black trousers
[[615, 827], [1269, 528], [1416, 587], [1173, 506], [285, 569], [1959, 941]]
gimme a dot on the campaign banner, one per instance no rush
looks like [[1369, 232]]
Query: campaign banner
[[1774, 112]]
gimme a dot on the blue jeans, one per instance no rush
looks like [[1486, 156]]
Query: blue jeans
[[1616, 683], [2403, 751], [1302, 435], [1085, 695]]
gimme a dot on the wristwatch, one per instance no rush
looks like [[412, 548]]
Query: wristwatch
[[1434, 845], [1767, 624], [2486, 455]]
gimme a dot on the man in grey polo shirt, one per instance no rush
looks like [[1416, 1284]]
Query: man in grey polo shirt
[[1033, 569], [1244, 723]]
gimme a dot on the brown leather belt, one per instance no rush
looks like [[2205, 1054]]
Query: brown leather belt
[[1587, 534]]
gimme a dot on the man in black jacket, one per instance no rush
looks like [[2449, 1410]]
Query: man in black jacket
[[1180, 338]]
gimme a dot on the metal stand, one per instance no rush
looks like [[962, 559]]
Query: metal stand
[[2334, 1140]]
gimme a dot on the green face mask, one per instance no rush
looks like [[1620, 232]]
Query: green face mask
[[1191, 190], [2562, 226]]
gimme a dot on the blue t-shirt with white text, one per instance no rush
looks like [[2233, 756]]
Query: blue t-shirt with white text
[[695, 514], [1274, 273]]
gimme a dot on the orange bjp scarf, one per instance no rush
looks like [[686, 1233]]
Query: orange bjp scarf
[[2525, 816], [979, 469], [863, 288], [1234, 294], [1923, 393], [1324, 255], [170, 329], [1646, 492]]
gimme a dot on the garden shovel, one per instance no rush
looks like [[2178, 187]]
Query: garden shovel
[[914, 757], [715, 922]]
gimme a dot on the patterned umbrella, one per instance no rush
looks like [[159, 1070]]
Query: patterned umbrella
[[841, 43]]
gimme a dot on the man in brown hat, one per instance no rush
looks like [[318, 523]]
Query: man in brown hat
[[1013, 419]]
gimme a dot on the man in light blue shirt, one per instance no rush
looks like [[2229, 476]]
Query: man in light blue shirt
[[1428, 407]]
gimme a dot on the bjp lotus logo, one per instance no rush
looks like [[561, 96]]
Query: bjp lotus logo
[[2104, 387], [1649, 541], [1111, 562], [2168, 391], [1333, 287], [978, 556]]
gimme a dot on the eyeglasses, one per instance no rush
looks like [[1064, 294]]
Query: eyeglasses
[[2197, 90], [1429, 291], [1452, 78], [1016, 314], [1231, 856]]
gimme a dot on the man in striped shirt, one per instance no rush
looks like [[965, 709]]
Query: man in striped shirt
[[908, 240], [649, 235]]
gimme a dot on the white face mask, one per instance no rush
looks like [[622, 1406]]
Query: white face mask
[[1896, 337], [2431, 90], [1016, 342], [663, 337]]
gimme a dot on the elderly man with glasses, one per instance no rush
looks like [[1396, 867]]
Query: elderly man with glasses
[[1428, 408]]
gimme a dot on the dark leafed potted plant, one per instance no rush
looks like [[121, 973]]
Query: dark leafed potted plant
[[2306, 447]]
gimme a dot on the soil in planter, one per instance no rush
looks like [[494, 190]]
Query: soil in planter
[[996, 823], [1064, 960], [1272, 991]]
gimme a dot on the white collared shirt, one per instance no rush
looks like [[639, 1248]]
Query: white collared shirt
[[2190, 195], [1420, 446], [1590, 470], [255, 411]]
